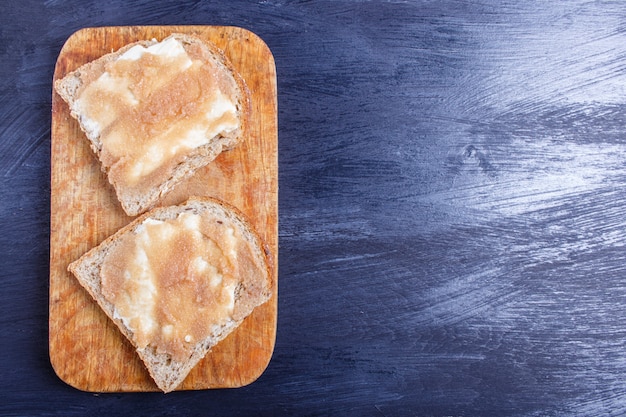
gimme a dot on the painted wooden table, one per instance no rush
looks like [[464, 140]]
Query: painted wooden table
[[451, 221]]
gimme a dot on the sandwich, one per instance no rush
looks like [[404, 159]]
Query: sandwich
[[156, 112], [177, 280]]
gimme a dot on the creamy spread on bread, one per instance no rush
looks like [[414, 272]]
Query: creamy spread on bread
[[171, 280], [153, 105]]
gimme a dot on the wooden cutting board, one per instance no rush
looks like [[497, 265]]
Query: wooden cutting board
[[86, 349]]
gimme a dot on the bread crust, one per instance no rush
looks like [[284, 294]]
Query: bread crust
[[133, 202], [168, 373]]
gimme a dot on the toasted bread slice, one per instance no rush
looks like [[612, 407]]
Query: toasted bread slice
[[177, 280], [155, 112]]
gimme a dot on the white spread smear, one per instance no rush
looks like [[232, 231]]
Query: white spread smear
[[169, 48], [166, 146]]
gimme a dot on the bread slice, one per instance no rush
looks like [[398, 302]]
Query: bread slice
[[156, 112], [243, 273]]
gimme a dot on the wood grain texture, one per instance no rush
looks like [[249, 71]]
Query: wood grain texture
[[86, 349]]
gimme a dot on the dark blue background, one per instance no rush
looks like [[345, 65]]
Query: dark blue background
[[452, 225]]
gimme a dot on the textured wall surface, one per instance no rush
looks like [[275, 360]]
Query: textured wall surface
[[452, 222]]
